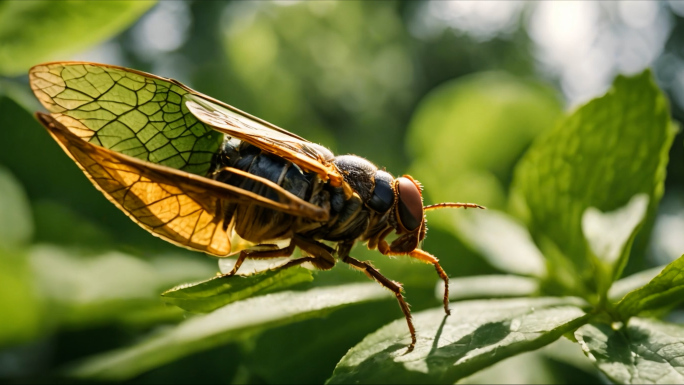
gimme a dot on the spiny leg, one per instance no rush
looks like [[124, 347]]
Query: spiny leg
[[426, 257], [316, 261], [429, 258], [396, 288], [319, 254], [261, 254]]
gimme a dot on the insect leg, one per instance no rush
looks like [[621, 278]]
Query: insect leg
[[319, 262], [429, 258], [261, 254], [396, 288], [320, 255], [426, 257]]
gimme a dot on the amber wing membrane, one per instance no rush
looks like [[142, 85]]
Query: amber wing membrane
[[128, 111], [235, 123], [180, 207]]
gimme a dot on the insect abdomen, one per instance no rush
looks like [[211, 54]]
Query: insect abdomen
[[253, 222]]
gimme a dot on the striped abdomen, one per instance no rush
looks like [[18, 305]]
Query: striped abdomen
[[253, 222]]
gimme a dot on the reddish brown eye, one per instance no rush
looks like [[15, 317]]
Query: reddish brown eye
[[410, 205]]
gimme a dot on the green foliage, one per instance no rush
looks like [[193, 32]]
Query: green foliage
[[478, 334], [231, 323], [496, 116], [503, 241], [560, 187], [490, 286], [209, 295], [610, 237], [283, 72], [666, 290], [642, 352], [58, 29], [49, 218], [625, 285], [16, 228], [112, 287], [22, 311], [508, 371], [600, 156]]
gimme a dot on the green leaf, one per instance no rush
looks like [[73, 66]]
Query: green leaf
[[505, 243], [60, 225], [16, 222], [664, 291], [319, 343], [633, 282], [477, 334], [23, 312], [111, 287], [644, 352], [525, 368], [570, 353], [467, 134], [601, 155], [36, 31], [211, 294], [489, 286], [231, 323], [610, 237]]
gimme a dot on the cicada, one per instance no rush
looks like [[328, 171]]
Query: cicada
[[206, 176]]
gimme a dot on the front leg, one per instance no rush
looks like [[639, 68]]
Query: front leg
[[426, 257]]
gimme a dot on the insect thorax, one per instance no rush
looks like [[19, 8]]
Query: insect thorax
[[368, 212]]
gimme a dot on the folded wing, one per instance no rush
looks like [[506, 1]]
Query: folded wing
[[237, 124], [178, 206]]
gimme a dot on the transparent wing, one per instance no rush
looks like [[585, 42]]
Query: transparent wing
[[180, 207], [128, 111], [235, 123]]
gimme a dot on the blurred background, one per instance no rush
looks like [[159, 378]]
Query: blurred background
[[450, 92]]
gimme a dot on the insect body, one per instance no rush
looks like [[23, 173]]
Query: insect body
[[206, 176]]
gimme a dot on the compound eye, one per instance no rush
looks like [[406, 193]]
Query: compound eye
[[410, 205], [383, 195]]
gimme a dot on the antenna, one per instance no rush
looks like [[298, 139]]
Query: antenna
[[455, 205]]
